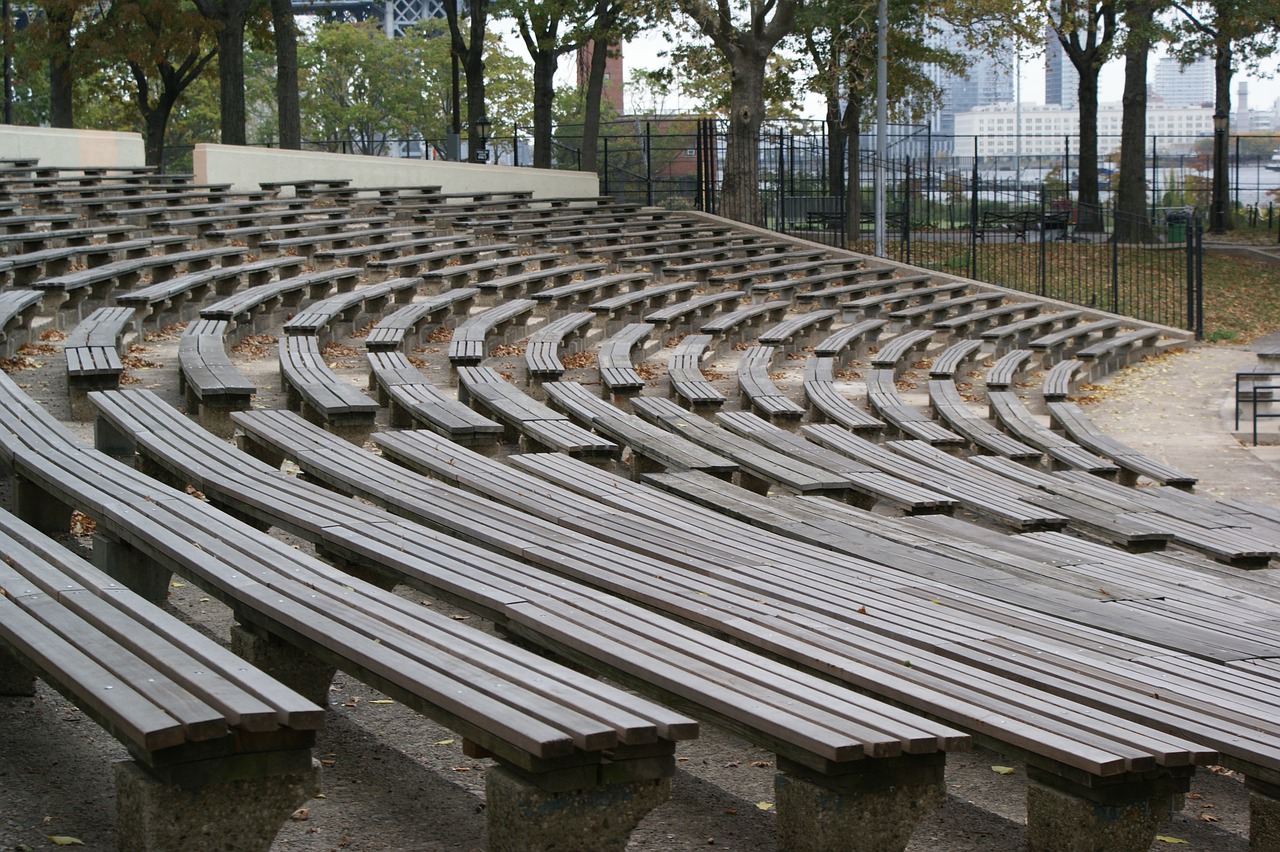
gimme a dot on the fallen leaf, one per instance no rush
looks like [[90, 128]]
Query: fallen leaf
[[1164, 838], [301, 814], [1003, 770], [862, 610], [444, 742], [382, 701], [764, 806], [730, 811], [62, 840], [1207, 818], [462, 769]]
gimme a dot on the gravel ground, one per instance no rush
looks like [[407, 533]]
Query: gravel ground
[[393, 780]]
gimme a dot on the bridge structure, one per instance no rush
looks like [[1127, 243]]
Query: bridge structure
[[396, 15]]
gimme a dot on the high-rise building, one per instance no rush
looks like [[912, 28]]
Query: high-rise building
[[986, 82], [1184, 85], [1061, 79]]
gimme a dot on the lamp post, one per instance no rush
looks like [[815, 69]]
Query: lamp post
[[1218, 213], [482, 127]]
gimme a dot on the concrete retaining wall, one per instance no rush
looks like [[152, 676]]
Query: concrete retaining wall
[[72, 148], [245, 167]]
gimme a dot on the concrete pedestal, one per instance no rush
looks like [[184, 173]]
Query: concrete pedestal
[[1064, 818], [234, 816], [15, 678], [874, 807], [523, 817], [130, 567], [294, 668], [1264, 816]]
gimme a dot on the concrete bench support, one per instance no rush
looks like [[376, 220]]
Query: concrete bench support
[[1064, 817], [1264, 816], [238, 815], [873, 806], [296, 669], [523, 815], [131, 567], [15, 678], [39, 508]]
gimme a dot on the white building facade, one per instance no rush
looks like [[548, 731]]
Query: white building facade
[[1047, 130]]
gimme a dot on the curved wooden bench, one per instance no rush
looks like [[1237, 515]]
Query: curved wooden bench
[[951, 359], [834, 295], [331, 315], [885, 400], [1015, 419], [1067, 341], [92, 351], [1059, 380], [412, 399], [793, 332], [471, 274], [735, 326], [1004, 373], [758, 390], [577, 295], [1110, 354], [617, 309], [530, 281], [828, 404], [542, 354], [470, 337], [1078, 426], [355, 257], [684, 373], [1018, 334], [256, 308], [901, 347], [870, 307], [691, 311], [395, 329], [315, 390], [949, 406], [168, 299], [864, 334], [976, 322], [936, 311], [212, 385], [18, 311], [613, 360]]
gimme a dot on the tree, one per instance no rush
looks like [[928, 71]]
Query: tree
[[1232, 32], [165, 46], [230, 18], [1086, 30], [468, 45], [613, 22], [1132, 223], [745, 49], [288, 115]]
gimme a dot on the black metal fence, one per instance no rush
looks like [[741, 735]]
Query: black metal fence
[[1013, 221]]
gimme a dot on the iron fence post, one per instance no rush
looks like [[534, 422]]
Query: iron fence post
[[1044, 255], [648, 162], [973, 219], [605, 182], [906, 209], [1115, 264]]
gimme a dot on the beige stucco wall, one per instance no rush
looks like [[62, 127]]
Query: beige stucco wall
[[246, 167], [72, 148]]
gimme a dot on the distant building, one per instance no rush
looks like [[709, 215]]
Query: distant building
[[986, 82], [1061, 79], [1180, 86], [1045, 129], [612, 92]]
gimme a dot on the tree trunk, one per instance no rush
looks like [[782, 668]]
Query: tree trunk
[[740, 193], [853, 191], [288, 111], [544, 71], [1090, 211], [595, 90], [471, 57], [61, 111], [1220, 208], [835, 147], [229, 17], [1132, 224]]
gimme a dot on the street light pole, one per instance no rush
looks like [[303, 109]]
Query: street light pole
[[1218, 212]]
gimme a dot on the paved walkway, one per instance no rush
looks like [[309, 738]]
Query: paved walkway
[[1179, 409]]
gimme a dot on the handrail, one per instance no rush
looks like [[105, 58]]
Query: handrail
[[1253, 394]]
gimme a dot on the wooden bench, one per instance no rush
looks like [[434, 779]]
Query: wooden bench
[[690, 312], [857, 337], [312, 388], [1007, 369], [252, 235], [1017, 334], [346, 311], [18, 312], [552, 732], [199, 725], [356, 256], [793, 332], [1060, 380], [542, 353], [212, 386], [870, 307], [619, 309], [577, 295], [988, 502], [703, 270], [736, 325], [759, 393], [950, 407], [835, 295], [759, 467], [614, 360], [22, 242], [533, 423], [868, 485], [23, 268], [412, 399], [684, 374], [652, 447], [976, 322], [821, 287], [895, 353], [885, 400], [259, 307], [92, 351], [1072, 420], [475, 272], [712, 249], [405, 325], [1057, 345], [1108, 355], [752, 278], [953, 358], [169, 299], [936, 311], [1016, 420], [827, 404], [525, 284], [468, 347], [428, 261], [95, 285]]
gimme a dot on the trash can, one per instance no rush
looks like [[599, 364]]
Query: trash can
[[1175, 225]]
